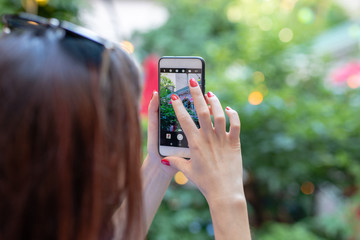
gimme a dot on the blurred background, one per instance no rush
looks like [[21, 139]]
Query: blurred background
[[291, 68]]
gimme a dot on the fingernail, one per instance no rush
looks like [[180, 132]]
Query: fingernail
[[228, 108], [174, 97], [165, 162], [153, 93], [193, 82], [210, 94]]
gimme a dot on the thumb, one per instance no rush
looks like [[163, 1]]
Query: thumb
[[153, 112], [177, 163]]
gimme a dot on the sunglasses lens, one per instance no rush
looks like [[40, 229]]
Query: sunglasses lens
[[18, 23]]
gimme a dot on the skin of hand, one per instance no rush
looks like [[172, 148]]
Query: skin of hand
[[156, 177], [215, 166], [153, 133]]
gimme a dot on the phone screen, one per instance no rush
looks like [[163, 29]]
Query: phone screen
[[176, 81]]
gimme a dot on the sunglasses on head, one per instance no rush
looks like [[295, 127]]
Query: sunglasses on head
[[26, 21]]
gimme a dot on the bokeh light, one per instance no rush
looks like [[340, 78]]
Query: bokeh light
[[354, 30], [180, 178], [268, 7], [307, 188], [258, 77], [234, 13], [265, 23], [306, 15], [288, 5], [127, 46], [353, 81], [210, 229], [286, 35], [255, 98], [42, 2], [195, 227]]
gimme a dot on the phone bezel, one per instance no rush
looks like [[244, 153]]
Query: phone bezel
[[176, 60]]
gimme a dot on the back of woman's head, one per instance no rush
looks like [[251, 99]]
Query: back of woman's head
[[69, 144]]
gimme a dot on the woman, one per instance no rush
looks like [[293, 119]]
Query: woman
[[70, 141]]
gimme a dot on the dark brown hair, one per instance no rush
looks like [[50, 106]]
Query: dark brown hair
[[69, 149]]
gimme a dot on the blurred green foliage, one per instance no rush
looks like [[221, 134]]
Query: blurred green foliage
[[304, 130], [280, 231], [61, 9]]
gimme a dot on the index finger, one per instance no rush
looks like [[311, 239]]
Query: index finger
[[186, 122], [202, 109]]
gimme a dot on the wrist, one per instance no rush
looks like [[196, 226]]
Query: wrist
[[236, 201], [223, 191], [226, 193], [153, 164], [234, 197], [230, 217]]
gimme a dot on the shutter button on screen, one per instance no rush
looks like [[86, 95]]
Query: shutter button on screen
[[180, 137]]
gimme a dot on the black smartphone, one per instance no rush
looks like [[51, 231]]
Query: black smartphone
[[174, 76]]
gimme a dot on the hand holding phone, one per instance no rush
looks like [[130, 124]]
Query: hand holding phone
[[215, 166]]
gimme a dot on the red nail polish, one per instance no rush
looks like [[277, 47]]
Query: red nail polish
[[153, 93], [210, 94], [228, 108], [193, 82], [174, 97], [165, 162]]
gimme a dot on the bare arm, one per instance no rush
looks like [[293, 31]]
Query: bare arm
[[155, 183], [155, 176], [230, 218]]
